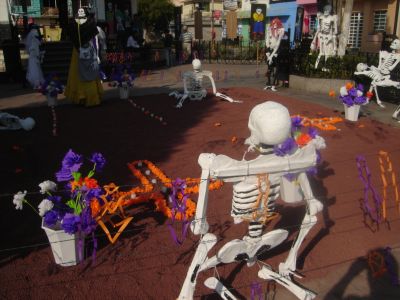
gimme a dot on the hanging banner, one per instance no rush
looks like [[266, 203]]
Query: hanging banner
[[230, 5], [231, 25], [217, 15], [298, 28], [257, 21], [198, 25]]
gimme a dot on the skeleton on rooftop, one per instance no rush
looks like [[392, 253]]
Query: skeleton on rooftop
[[257, 185], [193, 85]]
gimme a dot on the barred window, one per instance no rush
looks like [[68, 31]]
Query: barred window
[[356, 28], [380, 17]]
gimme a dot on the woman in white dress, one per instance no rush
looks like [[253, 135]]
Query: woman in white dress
[[34, 74]]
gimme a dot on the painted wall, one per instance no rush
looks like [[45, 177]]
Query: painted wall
[[286, 12], [34, 10]]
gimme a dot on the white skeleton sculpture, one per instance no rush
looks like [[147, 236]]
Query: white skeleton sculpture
[[11, 122], [325, 37], [380, 75], [193, 86], [254, 198]]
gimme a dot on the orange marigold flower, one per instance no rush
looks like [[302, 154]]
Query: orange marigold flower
[[95, 207], [91, 183], [76, 184], [332, 93], [303, 139], [349, 86], [370, 94]]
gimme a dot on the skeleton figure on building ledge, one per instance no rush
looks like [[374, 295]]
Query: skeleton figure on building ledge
[[380, 75], [257, 185], [326, 35], [193, 86]]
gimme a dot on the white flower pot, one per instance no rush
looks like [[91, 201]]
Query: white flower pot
[[51, 100], [351, 113], [291, 191], [65, 246], [124, 92]]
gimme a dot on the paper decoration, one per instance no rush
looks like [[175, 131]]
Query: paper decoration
[[386, 167]]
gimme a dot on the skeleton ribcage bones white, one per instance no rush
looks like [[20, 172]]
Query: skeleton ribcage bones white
[[254, 201]]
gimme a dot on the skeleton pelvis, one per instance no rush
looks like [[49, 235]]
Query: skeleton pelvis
[[197, 95], [248, 248]]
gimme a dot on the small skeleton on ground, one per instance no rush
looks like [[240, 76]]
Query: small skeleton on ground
[[193, 86], [381, 75], [257, 185]]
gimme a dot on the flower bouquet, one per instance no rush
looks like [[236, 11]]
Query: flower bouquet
[[67, 216], [51, 87], [352, 98], [300, 137], [123, 79]]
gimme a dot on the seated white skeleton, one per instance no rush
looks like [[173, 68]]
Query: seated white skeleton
[[380, 75], [256, 187], [193, 85]]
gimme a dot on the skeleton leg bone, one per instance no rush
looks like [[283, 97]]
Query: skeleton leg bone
[[378, 101], [206, 243], [182, 99], [214, 284], [299, 292], [225, 97]]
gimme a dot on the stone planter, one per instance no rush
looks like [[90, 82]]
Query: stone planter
[[124, 92], [65, 247], [351, 113], [290, 190], [51, 100]]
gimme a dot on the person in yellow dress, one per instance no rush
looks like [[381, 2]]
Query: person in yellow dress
[[83, 84], [258, 25]]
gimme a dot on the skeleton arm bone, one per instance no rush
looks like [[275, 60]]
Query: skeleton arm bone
[[209, 75]]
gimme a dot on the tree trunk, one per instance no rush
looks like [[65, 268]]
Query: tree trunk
[[345, 28]]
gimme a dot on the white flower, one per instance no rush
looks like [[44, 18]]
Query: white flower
[[45, 206], [319, 142], [19, 199], [47, 186], [359, 93], [343, 91]]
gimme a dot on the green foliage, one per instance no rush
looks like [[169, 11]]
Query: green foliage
[[156, 14], [337, 67]]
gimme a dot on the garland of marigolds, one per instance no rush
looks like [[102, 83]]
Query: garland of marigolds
[[384, 158], [145, 192], [326, 123]]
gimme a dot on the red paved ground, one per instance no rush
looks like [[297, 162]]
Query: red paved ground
[[145, 263]]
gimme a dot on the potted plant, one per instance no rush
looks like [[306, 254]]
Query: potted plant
[[352, 98], [51, 88], [124, 80], [67, 216], [300, 137]]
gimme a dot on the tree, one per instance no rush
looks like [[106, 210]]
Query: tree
[[345, 28], [156, 14]]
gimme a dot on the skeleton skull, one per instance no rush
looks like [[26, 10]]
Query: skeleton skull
[[81, 13], [269, 124], [361, 67], [395, 45], [258, 10], [196, 63], [327, 10]]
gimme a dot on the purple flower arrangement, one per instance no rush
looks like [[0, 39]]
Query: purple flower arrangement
[[74, 214], [122, 76], [300, 137], [51, 86], [351, 95]]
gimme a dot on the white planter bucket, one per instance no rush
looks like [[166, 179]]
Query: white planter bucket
[[51, 100], [291, 191], [124, 92], [351, 113], [65, 246]]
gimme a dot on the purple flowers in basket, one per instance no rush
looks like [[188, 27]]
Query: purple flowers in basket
[[350, 95], [122, 76], [51, 86]]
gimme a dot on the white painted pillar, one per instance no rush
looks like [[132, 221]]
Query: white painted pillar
[[100, 10], [134, 8], [4, 18]]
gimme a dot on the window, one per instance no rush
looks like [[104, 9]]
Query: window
[[380, 20], [21, 2], [356, 28], [313, 24]]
